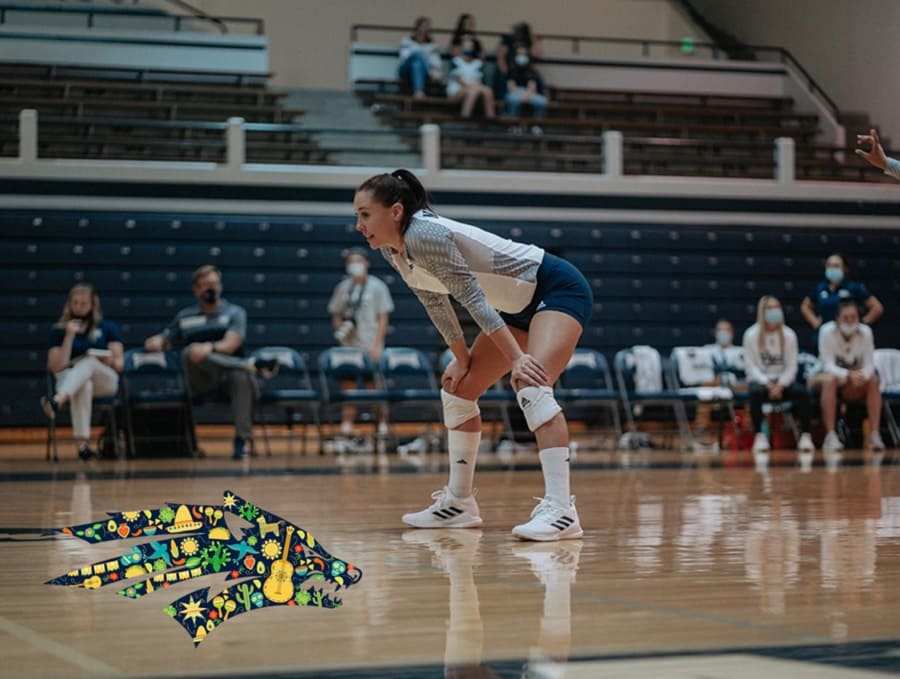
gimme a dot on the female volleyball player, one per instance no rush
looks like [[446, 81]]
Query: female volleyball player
[[531, 308]]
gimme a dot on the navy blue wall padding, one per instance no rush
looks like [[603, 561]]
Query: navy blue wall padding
[[658, 285]]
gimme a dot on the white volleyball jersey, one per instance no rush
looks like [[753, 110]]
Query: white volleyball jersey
[[479, 269]]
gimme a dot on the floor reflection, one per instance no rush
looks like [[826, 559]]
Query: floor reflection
[[456, 553]]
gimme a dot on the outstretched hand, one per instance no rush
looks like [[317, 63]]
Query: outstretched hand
[[875, 155]]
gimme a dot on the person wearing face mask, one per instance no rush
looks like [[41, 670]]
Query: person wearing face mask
[[211, 334], [821, 307], [505, 54], [86, 356], [728, 359], [465, 30], [465, 82], [522, 88], [360, 308], [770, 359], [847, 353]]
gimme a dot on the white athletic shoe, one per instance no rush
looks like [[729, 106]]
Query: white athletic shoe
[[448, 511], [760, 443], [550, 560], [876, 445], [832, 444], [550, 521], [805, 444]]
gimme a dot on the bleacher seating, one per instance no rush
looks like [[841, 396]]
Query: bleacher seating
[[652, 284], [664, 133], [134, 114]]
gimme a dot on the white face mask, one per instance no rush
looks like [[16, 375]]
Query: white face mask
[[724, 338], [834, 274], [848, 329], [522, 59], [356, 269]]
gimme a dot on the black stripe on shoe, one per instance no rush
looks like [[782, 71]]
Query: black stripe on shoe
[[562, 522], [447, 512]]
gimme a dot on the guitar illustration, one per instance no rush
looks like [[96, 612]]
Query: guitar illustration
[[279, 587]]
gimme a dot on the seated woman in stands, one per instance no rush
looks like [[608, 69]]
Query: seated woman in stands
[[420, 58], [770, 358], [522, 88], [521, 37], [86, 355], [465, 29], [466, 84], [847, 353]]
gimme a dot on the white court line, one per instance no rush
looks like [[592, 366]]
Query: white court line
[[61, 651]]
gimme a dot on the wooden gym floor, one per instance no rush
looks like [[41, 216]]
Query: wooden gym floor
[[689, 568]]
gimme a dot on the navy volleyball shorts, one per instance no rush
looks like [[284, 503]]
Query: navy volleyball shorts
[[560, 287]]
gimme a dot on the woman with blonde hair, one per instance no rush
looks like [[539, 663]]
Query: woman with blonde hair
[[770, 357], [86, 356]]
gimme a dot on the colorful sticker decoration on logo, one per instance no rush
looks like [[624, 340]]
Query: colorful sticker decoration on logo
[[278, 563]]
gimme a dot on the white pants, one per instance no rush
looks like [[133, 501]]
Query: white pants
[[81, 383]]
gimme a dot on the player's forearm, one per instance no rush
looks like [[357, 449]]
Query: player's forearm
[[506, 343]]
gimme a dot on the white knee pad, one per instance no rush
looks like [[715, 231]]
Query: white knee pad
[[457, 410], [538, 404]]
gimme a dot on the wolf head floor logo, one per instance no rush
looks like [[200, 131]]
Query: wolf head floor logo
[[277, 562]]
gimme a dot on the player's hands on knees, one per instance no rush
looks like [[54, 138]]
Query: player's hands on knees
[[527, 372], [453, 374]]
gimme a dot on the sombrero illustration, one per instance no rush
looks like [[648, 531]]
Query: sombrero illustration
[[183, 522]]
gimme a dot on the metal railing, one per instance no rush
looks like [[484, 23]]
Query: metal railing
[[644, 49], [612, 148], [178, 21]]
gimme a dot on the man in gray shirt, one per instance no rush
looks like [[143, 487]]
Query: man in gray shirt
[[212, 333], [360, 306]]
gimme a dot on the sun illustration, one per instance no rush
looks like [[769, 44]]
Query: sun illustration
[[271, 549], [189, 546], [191, 610], [130, 517], [229, 500]]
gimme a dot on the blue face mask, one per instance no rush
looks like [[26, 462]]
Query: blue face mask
[[522, 59], [773, 316], [469, 54], [834, 274]]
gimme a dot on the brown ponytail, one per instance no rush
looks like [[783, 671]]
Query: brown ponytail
[[399, 186]]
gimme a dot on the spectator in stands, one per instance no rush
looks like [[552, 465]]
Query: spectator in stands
[[728, 359], [360, 307], [212, 334], [522, 88], [521, 37], [420, 58], [822, 306], [847, 354], [86, 356], [876, 156], [770, 357], [465, 29], [531, 308], [466, 82]]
